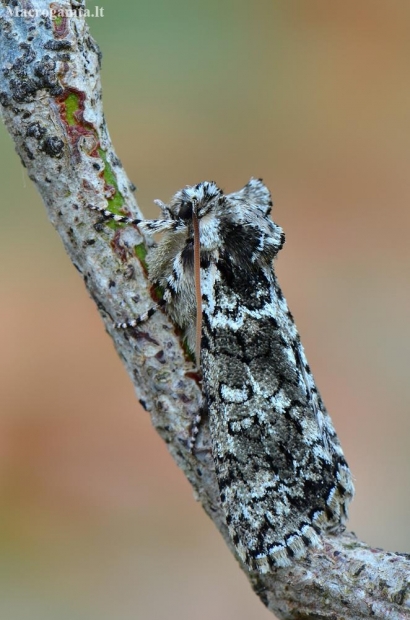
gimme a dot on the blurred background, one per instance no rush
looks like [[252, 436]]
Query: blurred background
[[96, 521]]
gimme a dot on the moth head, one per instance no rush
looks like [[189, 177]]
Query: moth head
[[200, 200]]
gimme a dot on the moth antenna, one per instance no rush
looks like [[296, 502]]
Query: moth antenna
[[197, 277]]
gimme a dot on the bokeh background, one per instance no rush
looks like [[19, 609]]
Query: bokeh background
[[96, 520]]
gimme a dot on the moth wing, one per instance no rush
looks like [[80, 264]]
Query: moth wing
[[255, 195], [281, 481]]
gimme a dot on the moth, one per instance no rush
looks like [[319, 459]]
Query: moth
[[281, 471]]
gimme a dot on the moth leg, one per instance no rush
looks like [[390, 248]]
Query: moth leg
[[196, 423], [108, 216], [194, 432], [142, 318], [148, 226]]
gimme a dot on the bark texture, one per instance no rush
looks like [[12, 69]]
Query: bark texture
[[51, 103]]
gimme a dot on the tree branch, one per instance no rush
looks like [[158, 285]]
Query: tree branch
[[51, 103]]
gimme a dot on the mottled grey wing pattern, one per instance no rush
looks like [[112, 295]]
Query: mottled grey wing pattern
[[281, 472]]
